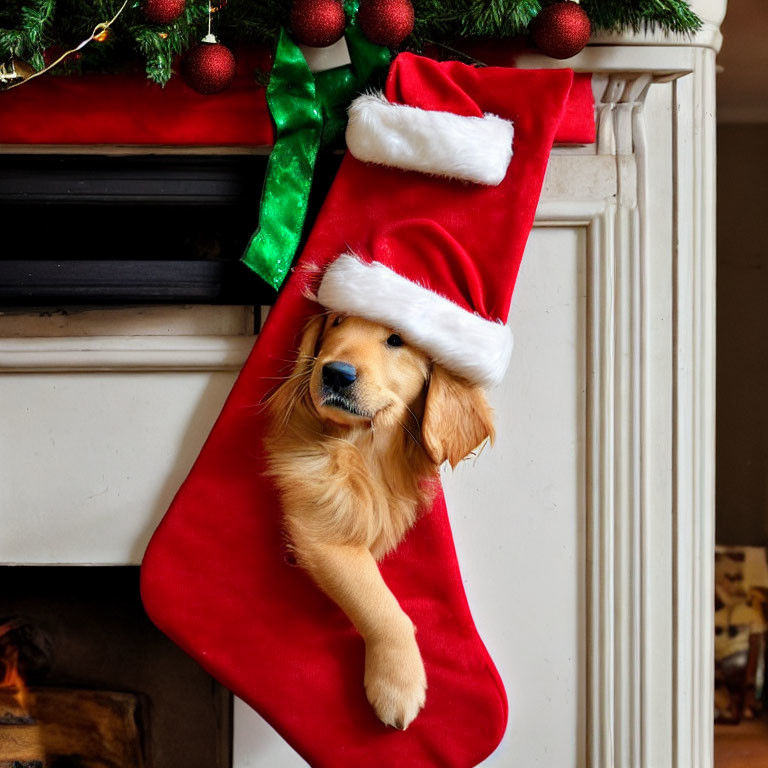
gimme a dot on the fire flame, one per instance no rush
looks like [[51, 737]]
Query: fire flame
[[11, 676]]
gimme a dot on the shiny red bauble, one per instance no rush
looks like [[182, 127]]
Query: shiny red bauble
[[317, 23], [162, 11], [561, 29], [208, 67], [386, 22]]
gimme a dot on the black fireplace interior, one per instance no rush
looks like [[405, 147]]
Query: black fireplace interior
[[99, 229]]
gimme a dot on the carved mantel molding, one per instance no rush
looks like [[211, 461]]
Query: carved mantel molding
[[651, 345]]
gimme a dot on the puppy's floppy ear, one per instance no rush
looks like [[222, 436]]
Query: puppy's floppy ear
[[284, 399], [457, 418]]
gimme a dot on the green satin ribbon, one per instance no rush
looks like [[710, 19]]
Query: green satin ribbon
[[309, 111], [292, 101]]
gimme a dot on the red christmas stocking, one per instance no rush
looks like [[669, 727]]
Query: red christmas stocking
[[435, 199]]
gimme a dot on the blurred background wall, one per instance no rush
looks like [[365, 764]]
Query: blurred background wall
[[742, 263]]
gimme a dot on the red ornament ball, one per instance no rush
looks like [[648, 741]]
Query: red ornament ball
[[386, 22], [561, 30], [163, 11], [318, 23], [208, 67]]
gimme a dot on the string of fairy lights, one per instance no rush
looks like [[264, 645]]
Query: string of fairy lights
[[10, 77]]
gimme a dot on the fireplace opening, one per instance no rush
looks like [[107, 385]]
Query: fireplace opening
[[86, 681], [152, 228]]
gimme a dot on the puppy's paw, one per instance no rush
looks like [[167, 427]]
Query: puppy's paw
[[395, 681]]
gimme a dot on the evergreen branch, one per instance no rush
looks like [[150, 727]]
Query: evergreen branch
[[11, 43], [29, 39], [34, 20], [497, 18]]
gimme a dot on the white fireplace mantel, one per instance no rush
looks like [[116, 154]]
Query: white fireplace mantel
[[586, 534]]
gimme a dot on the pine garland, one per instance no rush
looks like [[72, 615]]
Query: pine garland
[[28, 41], [29, 27]]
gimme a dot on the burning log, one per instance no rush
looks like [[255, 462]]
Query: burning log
[[70, 727], [43, 727]]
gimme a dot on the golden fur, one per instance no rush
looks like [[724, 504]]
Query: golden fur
[[352, 478]]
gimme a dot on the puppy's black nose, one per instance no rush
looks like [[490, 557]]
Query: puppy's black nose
[[338, 376]]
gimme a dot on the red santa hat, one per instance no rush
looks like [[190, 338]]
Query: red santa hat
[[449, 175]]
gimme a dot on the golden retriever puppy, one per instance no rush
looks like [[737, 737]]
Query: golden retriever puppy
[[358, 432]]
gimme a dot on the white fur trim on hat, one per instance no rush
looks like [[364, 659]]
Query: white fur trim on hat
[[463, 342], [442, 143]]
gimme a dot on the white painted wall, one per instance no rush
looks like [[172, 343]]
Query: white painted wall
[[102, 413]]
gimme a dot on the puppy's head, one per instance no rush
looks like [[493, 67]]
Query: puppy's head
[[364, 373], [352, 372]]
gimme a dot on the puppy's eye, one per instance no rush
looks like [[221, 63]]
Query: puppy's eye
[[394, 341], [337, 320]]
